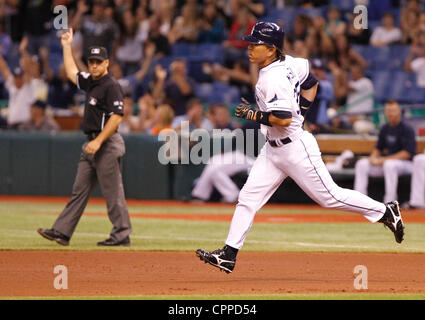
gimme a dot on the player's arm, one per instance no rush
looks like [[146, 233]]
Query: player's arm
[[308, 93], [68, 60], [4, 69]]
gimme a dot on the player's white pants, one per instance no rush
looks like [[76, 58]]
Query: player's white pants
[[218, 173], [417, 189], [391, 170], [301, 160]]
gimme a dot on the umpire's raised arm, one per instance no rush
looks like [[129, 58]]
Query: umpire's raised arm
[[70, 66]]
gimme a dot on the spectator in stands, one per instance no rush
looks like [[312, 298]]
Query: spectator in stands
[[194, 116], [345, 56], [147, 111], [211, 25], [165, 13], [387, 33], [130, 81], [317, 117], [357, 35], [335, 26], [143, 24], [36, 18], [410, 27], [162, 46], [97, 29], [129, 48], [185, 28], [360, 100], [238, 75], [179, 88], [340, 80], [242, 24], [421, 27], [301, 26], [130, 122], [417, 187], [256, 7], [410, 10], [318, 43], [164, 116], [219, 115], [392, 156], [61, 90], [415, 62], [39, 120], [157, 84], [5, 41], [21, 88]]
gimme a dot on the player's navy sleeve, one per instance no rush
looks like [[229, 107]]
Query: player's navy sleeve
[[310, 82], [115, 99], [83, 80]]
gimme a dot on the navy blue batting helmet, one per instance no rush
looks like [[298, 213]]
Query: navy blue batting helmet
[[267, 33]]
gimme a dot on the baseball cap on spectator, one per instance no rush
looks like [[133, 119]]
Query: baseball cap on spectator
[[18, 72], [317, 64], [98, 53]]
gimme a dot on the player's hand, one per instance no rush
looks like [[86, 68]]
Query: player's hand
[[245, 111], [67, 37]]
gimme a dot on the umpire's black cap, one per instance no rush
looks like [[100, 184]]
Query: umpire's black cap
[[98, 53], [267, 33]]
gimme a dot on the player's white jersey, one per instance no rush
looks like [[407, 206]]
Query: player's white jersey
[[278, 89]]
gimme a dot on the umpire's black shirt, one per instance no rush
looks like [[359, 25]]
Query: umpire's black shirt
[[104, 98]]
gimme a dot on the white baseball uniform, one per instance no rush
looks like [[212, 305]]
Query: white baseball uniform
[[417, 189], [278, 89]]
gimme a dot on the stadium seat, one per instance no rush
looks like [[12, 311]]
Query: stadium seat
[[381, 84]]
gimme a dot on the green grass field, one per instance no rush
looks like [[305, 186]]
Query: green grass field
[[20, 220]]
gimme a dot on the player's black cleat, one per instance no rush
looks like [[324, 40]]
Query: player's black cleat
[[218, 258], [392, 220], [54, 235]]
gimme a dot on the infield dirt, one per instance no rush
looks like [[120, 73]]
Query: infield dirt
[[115, 273]]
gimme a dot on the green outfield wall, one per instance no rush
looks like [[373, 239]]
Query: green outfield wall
[[45, 164]]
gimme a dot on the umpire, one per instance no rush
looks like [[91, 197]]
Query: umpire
[[101, 154]]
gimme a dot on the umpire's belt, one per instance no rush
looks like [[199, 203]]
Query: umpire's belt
[[280, 142], [92, 135]]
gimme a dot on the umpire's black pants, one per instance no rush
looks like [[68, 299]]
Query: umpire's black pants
[[103, 167]]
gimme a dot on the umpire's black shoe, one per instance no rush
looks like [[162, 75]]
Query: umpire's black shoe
[[392, 219], [54, 235], [114, 243], [219, 258]]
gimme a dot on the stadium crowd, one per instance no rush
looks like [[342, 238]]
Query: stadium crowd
[[184, 59]]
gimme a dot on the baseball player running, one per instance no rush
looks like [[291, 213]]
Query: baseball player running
[[284, 92]]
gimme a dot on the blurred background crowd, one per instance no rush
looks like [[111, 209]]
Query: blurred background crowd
[[183, 60]]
